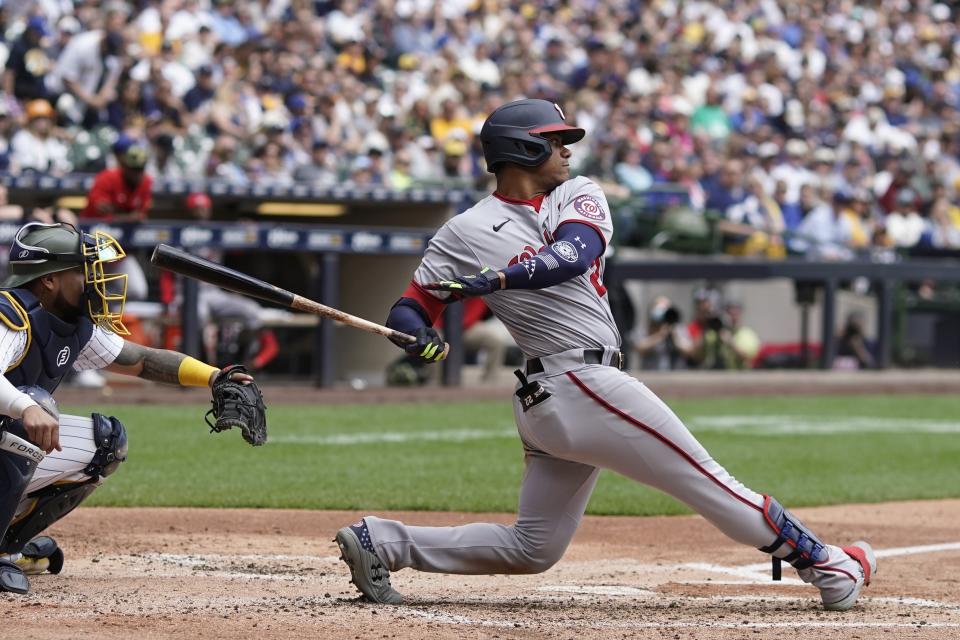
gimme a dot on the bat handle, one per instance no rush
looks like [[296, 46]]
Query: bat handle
[[399, 336], [407, 338]]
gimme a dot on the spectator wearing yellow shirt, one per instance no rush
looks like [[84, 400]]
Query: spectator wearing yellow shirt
[[855, 217], [451, 118], [353, 58]]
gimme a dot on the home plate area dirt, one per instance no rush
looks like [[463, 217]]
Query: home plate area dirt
[[196, 573]]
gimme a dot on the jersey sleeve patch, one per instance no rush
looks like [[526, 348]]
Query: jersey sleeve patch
[[566, 250], [589, 207]]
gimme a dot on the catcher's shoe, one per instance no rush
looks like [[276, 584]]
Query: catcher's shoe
[[366, 570], [12, 578], [39, 555], [843, 575]]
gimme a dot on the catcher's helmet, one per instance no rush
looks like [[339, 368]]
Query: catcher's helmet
[[40, 249], [514, 133]]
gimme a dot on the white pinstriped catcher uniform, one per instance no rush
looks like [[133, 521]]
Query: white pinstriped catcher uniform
[[76, 432]]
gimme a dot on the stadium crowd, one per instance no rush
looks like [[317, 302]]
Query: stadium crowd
[[827, 127]]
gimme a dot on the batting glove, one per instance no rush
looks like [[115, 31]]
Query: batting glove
[[429, 346], [480, 284]]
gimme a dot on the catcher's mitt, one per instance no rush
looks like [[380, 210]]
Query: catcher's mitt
[[238, 404]]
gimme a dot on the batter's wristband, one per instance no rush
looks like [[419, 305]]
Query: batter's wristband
[[193, 373]]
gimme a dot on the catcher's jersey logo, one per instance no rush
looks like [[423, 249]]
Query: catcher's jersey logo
[[589, 207], [63, 356]]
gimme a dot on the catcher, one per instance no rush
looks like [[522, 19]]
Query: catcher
[[61, 309]]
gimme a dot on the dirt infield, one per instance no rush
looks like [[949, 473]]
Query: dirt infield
[[265, 574], [193, 573]]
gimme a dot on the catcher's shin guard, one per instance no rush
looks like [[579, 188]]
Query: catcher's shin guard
[[53, 502], [18, 462], [48, 505], [803, 549]]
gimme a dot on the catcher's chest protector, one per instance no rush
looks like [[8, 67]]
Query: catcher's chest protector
[[54, 344]]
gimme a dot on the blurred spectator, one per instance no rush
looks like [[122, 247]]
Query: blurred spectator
[[88, 70], [760, 211], [169, 68], [450, 119], [122, 193], [28, 63], [728, 189], [853, 349], [946, 230], [225, 24], [36, 147], [905, 226], [400, 177], [821, 233], [163, 162], [706, 302], [792, 171], [321, 170], [854, 218], [726, 343], [202, 92], [666, 344], [222, 162], [710, 118]]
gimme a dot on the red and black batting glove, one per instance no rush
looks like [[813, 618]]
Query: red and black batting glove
[[429, 346], [479, 284]]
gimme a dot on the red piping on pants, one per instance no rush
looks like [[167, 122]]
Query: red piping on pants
[[609, 407]]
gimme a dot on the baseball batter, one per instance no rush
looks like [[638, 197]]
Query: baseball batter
[[544, 236], [61, 309]]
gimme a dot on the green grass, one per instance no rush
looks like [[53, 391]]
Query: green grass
[[889, 448]]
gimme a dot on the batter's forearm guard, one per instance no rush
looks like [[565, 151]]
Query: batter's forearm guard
[[406, 316]]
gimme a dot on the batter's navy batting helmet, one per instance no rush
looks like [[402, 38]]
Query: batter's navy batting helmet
[[514, 133]]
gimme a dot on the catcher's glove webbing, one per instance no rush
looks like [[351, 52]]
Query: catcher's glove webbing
[[238, 404]]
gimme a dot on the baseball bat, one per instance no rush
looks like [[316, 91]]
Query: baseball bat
[[186, 264]]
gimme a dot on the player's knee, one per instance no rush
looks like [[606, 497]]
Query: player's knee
[[110, 436], [543, 560], [541, 553]]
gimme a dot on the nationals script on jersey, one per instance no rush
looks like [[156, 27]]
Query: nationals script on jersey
[[497, 233]]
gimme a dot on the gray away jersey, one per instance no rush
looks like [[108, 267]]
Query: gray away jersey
[[499, 233]]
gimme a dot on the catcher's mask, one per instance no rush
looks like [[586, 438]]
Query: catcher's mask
[[40, 249]]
